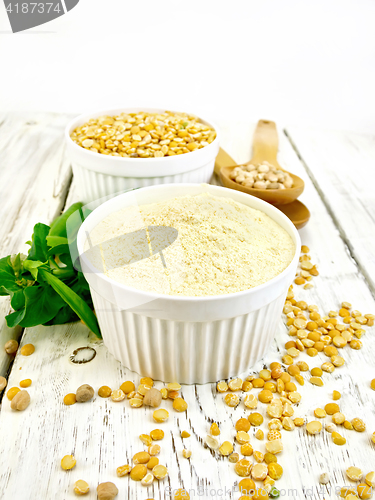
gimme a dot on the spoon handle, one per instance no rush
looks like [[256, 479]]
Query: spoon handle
[[223, 160], [265, 143]]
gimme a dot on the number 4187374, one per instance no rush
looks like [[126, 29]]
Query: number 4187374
[[30, 8]]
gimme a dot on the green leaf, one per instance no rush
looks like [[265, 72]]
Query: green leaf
[[16, 263], [41, 304], [8, 279], [15, 318], [32, 267], [58, 226], [58, 250], [81, 286], [65, 315], [66, 259], [54, 241], [39, 249], [18, 300], [64, 273], [45, 289], [78, 305]]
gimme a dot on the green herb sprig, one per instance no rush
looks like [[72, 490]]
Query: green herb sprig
[[44, 286]]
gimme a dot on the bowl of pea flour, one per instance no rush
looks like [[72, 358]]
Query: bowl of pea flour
[[188, 280]]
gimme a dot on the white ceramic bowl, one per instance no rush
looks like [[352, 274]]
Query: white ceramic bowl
[[186, 339], [98, 176]]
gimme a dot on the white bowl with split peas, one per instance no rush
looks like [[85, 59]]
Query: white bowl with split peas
[[188, 339], [99, 175]]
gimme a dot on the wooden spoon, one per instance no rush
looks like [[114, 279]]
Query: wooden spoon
[[296, 211], [265, 148]]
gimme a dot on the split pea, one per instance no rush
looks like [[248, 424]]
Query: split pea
[[226, 448], [354, 473], [123, 470], [314, 427], [275, 471], [255, 419], [246, 486], [68, 462], [214, 429], [338, 439], [180, 404], [222, 386], [320, 413], [81, 487], [331, 408], [104, 391], [160, 415], [364, 490], [27, 349], [160, 471], [243, 467], [152, 463], [358, 425], [234, 457], [158, 434], [141, 457], [70, 399], [242, 424], [12, 392], [138, 472], [246, 450]]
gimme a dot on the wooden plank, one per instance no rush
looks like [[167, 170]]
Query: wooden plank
[[34, 179], [6, 334], [104, 435], [341, 165]]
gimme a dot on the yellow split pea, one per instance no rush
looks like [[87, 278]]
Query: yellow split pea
[[275, 471], [160, 415], [104, 391], [214, 429], [70, 399], [143, 134], [81, 487], [158, 434], [27, 349], [314, 427], [138, 472], [123, 470], [153, 462], [68, 462], [180, 404], [226, 448], [25, 383], [12, 392]]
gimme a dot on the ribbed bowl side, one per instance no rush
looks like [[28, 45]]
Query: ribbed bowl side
[[187, 352], [92, 185]]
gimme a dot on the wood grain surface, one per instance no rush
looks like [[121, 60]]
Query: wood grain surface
[[103, 434], [34, 180], [342, 167]]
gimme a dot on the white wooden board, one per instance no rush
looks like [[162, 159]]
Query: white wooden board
[[34, 179], [104, 435], [342, 167]]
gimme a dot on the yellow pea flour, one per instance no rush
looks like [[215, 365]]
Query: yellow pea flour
[[222, 247]]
